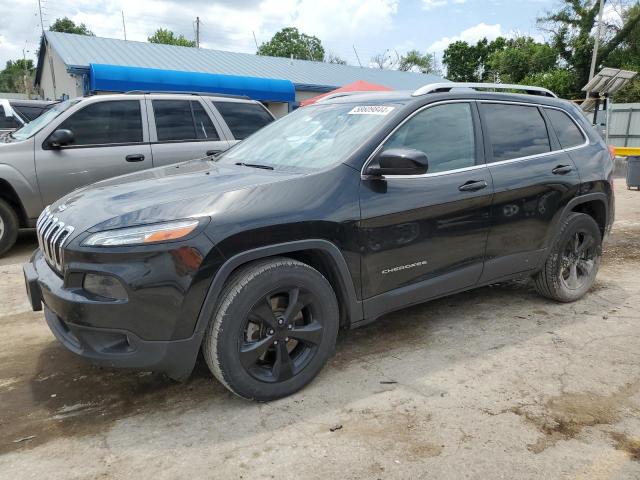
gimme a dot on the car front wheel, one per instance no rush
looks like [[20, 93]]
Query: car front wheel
[[273, 330], [8, 227]]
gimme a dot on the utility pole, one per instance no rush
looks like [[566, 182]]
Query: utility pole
[[255, 40], [25, 75], [124, 26], [596, 44], [198, 32], [40, 10]]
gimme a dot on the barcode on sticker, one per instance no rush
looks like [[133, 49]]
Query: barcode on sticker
[[370, 110]]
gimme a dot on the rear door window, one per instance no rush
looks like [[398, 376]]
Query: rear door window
[[243, 119], [569, 135], [108, 122], [182, 120], [515, 131]]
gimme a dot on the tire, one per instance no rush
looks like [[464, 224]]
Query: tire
[[571, 268], [258, 344], [9, 226]]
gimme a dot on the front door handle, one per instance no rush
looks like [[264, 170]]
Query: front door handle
[[136, 157], [562, 169], [473, 186], [212, 152]]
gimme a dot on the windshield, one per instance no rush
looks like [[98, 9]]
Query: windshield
[[39, 123], [310, 138]]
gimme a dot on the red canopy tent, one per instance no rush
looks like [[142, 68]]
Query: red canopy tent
[[359, 86]]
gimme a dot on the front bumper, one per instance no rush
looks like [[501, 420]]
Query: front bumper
[[68, 314]]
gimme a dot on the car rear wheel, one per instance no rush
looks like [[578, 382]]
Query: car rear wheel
[[8, 227], [572, 265], [274, 329]]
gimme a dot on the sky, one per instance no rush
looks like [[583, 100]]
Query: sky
[[345, 27]]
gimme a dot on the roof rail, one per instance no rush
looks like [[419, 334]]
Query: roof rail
[[448, 86], [202, 94]]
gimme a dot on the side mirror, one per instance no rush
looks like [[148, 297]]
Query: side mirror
[[60, 138], [399, 161]]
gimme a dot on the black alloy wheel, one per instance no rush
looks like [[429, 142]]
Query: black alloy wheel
[[273, 329], [281, 335]]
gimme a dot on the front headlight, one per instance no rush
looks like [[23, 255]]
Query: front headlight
[[158, 232]]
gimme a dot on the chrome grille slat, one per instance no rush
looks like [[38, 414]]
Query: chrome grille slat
[[52, 236]]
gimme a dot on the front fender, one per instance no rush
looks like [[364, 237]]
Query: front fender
[[27, 192], [354, 306]]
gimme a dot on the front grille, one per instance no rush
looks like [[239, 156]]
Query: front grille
[[52, 235]]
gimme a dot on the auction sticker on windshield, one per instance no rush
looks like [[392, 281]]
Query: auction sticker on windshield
[[371, 110]]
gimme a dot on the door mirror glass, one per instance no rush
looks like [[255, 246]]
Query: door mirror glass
[[60, 138], [399, 161]]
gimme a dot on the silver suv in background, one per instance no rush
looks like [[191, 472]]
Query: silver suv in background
[[83, 140]]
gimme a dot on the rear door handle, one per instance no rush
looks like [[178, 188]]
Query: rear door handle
[[473, 186], [213, 152], [562, 169], [136, 157]]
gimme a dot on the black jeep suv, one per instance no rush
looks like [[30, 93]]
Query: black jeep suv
[[328, 218]]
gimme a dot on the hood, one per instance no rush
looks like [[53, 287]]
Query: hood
[[192, 189]]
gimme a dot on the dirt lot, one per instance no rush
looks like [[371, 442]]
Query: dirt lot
[[496, 383]]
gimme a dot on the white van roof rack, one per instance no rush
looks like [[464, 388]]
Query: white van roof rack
[[448, 86]]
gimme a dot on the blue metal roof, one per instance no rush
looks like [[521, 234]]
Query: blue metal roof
[[114, 78], [79, 51]]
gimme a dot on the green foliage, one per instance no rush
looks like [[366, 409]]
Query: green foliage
[[167, 37], [522, 57], [413, 60], [560, 81], [630, 93], [470, 63], [571, 28], [12, 77], [66, 25], [562, 64], [290, 42]]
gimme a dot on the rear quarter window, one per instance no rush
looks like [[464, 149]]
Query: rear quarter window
[[569, 135], [243, 119]]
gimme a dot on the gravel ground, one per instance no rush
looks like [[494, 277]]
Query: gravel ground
[[494, 383]]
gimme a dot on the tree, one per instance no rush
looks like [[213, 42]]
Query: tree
[[383, 61], [66, 25], [521, 57], [560, 81], [414, 61], [12, 77], [333, 58], [289, 42], [571, 29], [469, 63], [167, 37]]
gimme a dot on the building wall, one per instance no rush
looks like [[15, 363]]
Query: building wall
[[278, 109], [64, 84]]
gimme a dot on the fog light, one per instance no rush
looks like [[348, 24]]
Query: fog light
[[104, 286]]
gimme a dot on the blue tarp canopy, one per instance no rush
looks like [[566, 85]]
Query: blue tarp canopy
[[115, 78]]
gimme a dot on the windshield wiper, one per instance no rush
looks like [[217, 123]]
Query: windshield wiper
[[255, 165]]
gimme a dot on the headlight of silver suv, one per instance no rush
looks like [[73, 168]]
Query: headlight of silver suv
[[142, 235]]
